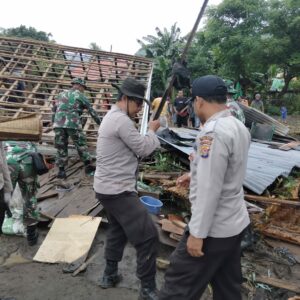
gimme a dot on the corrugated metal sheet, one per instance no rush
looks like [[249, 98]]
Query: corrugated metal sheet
[[253, 115], [264, 164]]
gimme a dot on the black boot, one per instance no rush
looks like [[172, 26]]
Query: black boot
[[110, 277], [148, 291], [32, 234], [61, 173], [88, 167]]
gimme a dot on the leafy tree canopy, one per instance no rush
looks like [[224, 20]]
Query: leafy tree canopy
[[24, 32], [165, 49], [94, 46], [247, 40]]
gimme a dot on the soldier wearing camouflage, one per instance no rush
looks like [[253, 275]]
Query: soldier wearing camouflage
[[22, 172], [67, 123], [236, 111]]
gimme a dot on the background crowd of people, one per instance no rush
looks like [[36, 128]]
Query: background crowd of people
[[180, 112]]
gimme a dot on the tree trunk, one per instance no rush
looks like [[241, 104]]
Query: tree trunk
[[287, 78]]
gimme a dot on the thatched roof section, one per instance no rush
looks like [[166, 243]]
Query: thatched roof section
[[32, 73]]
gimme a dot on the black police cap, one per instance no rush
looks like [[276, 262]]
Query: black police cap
[[209, 85]]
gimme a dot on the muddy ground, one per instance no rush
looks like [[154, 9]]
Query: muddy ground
[[23, 279], [293, 122]]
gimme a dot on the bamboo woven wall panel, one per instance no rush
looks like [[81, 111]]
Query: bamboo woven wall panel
[[32, 73]]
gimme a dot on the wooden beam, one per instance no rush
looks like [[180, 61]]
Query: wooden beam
[[279, 283], [267, 200]]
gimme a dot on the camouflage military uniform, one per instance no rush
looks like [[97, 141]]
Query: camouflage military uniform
[[236, 111], [22, 172], [68, 109]]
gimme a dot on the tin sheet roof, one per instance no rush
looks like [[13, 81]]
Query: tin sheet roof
[[264, 164]]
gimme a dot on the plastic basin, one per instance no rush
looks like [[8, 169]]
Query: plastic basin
[[153, 205]]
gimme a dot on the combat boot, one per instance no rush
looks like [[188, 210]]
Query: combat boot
[[32, 234], [148, 291], [89, 168], [61, 173], [110, 277]]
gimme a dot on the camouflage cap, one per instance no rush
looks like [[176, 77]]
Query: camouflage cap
[[79, 81]]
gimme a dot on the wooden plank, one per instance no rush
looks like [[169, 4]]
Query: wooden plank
[[49, 194], [68, 240], [175, 236], [16, 81], [53, 206], [279, 283], [281, 234], [293, 249], [96, 211], [267, 200], [156, 176], [162, 235], [170, 227], [179, 224], [83, 200]]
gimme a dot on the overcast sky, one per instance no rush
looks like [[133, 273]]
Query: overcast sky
[[116, 23]]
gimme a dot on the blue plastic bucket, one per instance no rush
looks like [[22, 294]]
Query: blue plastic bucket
[[153, 205]]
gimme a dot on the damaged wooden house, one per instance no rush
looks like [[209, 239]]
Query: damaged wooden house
[[32, 74]]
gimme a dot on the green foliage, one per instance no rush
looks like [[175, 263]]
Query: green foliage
[[295, 85], [200, 58], [24, 32], [272, 110], [164, 48], [166, 43], [95, 46], [286, 186], [249, 41], [292, 103], [162, 71], [164, 162], [280, 43], [232, 32]]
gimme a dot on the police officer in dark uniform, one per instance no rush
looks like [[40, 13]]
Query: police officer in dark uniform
[[209, 251]]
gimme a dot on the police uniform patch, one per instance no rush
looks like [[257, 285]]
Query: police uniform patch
[[205, 144]]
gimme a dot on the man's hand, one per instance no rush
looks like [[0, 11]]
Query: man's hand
[[192, 156], [194, 246], [184, 180], [154, 125]]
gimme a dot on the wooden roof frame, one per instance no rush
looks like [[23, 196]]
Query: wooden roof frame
[[45, 69]]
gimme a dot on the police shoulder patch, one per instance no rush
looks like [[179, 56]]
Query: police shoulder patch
[[205, 144]]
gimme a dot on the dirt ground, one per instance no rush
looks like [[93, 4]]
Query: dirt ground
[[23, 279], [293, 122]]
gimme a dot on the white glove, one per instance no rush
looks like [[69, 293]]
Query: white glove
[[7, 197]]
